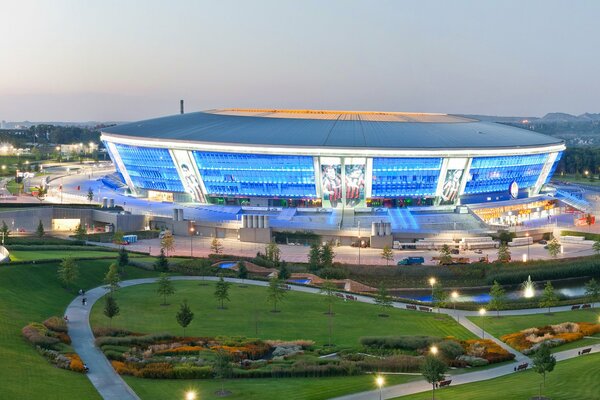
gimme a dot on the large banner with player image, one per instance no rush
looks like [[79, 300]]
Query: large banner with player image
[[342, 182], [451, 186], [354, 180], [331, 181], [188, 174]]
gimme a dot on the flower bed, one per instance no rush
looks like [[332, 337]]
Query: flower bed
[[528, 340]]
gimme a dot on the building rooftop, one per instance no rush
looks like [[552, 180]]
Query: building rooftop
[[336, 129]]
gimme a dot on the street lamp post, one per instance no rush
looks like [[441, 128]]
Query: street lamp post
[[432, 282], [527, 236], [380, 381], [482, 314], [191, 242], [454, 296], [359, 243]]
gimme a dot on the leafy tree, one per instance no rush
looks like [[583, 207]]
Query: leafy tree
[[504, 255], [543, 362], [275, 292], [167, 243], [327, 255], [497, 298], [433, 370], [383, 299], [596, 247], [242, 271], [161, 263], [68, 271], [445, 255], [592, 291], [90, 195], [118, 237], [553, 248], [314, 257], [123, 258], [39, 232], [111, 308], [284, 273], [273, 254], [165, 287], [549, 297], [222, 291], [216, 246], [80, 231], [222, 369], [4, 230], [184, 316], [387, 254], [439, 297], [112, 277]]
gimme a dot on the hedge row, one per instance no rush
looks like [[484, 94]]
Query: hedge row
[[399, 342]]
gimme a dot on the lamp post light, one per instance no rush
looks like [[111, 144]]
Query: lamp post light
[[380, 381], [433, 350], [482, 314], [432, 282], [454, 296], [527, 236], [359, 243], [190, 395], [191, 242]]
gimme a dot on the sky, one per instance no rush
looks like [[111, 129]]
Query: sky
[[123, 60]]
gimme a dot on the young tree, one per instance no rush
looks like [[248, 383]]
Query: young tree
[[543, 362], [314, 257], [549, 297], [184, 315], [165, 287], [111, 308], [504, 255], [123, 258], [497, 298], [327, 255], [383, 299], [68, 271], [387, 254], [439, 297], [275, 292], [167, 243], [118, 237], [242, 271], [554, 248], [39, 232], [222, 369], [80, 232], [329, 290], [273, 254], [592, 291], [222, 291], [216, 246], [445, 255], [4, 231], [90, 195], [112, 278], [433, 370], [284, 273], [596, 247], [161, 263]]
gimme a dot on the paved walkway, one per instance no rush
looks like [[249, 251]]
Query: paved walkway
[[112, 387]]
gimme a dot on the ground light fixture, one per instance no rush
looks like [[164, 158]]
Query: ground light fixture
[[454, 296], [433, 350], [190, 395], [380, 382], [482, 312]]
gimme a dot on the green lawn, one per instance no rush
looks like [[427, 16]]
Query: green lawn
[[263, 389], [32, 293], [28, 255], [302, 315], [576, 378]]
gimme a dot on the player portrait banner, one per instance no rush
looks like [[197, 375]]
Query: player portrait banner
[[354, 181], [331, 182], [188, 174], [451, 186]]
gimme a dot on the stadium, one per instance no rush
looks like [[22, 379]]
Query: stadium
[[333, 159]]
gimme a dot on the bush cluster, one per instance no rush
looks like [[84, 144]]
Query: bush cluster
[[38, 335], [399, 342], [132, 340]]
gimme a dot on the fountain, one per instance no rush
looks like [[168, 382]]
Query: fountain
[[528, 288]]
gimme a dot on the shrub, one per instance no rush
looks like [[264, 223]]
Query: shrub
[[399, 342], [188, 371], [75, 362], [156, 371], [56, 324], [114, 355], [450, 349], [400, 363], [333, 273], [101, 331], [132, 340], [38, 335]]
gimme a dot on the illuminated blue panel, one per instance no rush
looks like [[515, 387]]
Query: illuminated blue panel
[[553, 169], [257, 175], [394, 177], [150, 168], [495, 174]]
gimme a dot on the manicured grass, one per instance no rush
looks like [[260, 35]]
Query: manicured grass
[[263, 389], [28, 255], [302, 315], [33, 293], [576, 378]]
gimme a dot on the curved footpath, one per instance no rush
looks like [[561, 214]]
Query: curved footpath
[[111, 386]]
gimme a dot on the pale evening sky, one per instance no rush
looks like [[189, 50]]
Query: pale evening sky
[[74, 60]]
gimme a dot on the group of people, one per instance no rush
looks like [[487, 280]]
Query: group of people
[[66, 318]]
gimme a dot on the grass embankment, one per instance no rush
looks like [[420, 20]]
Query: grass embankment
[[33, 293], [571, 379], [511, 324], [25, 255], [302, 316]]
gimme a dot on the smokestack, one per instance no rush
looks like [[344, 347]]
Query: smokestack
[[181, 106]]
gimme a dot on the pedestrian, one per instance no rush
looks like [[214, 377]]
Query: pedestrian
[[66, 318], [80, 292], [84, 301]]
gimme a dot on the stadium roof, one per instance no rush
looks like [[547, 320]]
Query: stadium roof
[[335, 129]]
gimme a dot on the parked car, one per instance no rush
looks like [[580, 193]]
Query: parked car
[[411, 261], [543, 242], [454, 251]]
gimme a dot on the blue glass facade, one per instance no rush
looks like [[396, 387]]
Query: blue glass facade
[[230, 174], [150, 168], [495, 174], [397, 177]]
